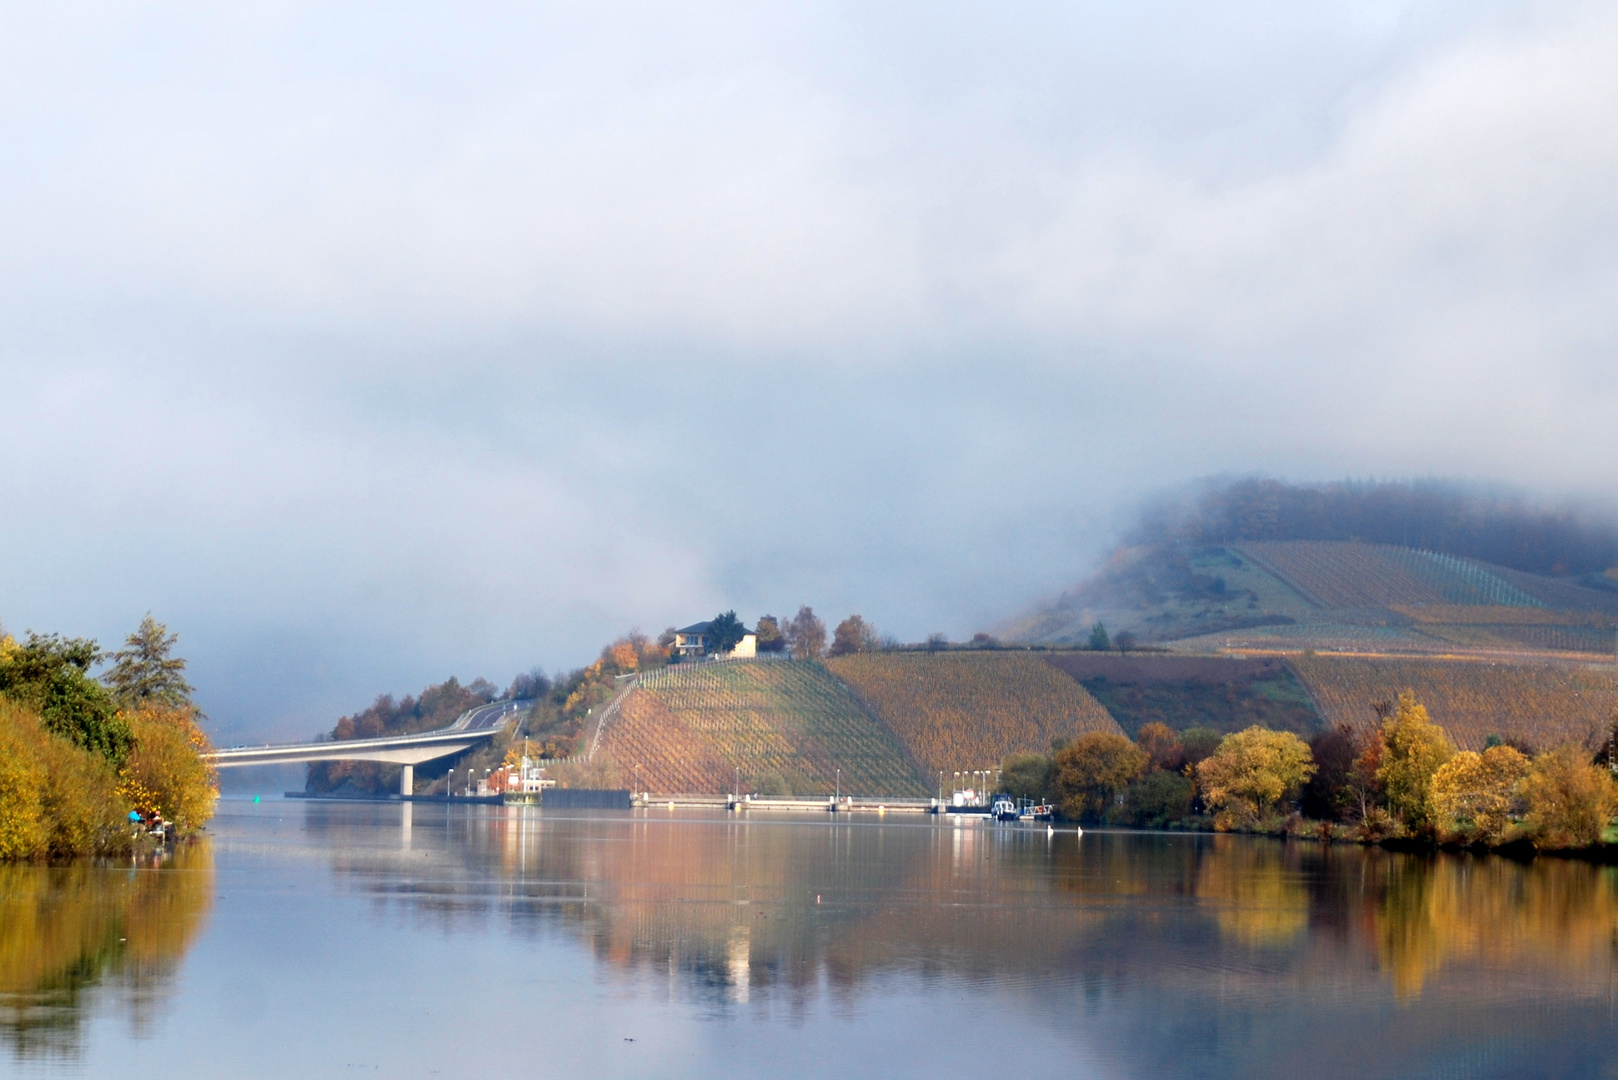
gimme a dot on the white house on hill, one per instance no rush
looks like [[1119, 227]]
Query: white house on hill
[[694, 640]]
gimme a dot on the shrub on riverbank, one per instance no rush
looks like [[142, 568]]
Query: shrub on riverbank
[[165, 773], [1569, 801], [77, 755], [56, 799]]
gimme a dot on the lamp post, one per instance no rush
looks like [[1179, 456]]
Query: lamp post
[[839, 787]]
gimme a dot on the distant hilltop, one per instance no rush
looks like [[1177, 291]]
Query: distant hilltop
[[1260, 566]]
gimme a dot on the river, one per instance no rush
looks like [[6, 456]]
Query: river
[[317, 939]]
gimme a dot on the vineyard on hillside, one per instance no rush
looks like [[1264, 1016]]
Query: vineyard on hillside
[[1341, 574], [691, 726], [963, 710], [1542, 704]]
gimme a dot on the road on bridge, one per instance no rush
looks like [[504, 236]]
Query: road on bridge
[[469, 729]]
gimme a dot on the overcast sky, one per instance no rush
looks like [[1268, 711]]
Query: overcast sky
[[367, 344]]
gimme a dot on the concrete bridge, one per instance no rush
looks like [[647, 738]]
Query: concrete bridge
[[472, 727]]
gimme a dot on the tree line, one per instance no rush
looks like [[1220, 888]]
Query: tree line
[[80, 752], [1402, 778]]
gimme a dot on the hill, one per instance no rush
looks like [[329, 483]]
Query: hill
[[1263, 566], [1223, 693], [968, 710], [889, 721], [1287, 596], [1542, 705], [787, 726]]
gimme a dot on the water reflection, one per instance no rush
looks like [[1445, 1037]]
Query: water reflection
[[408, 940], [68, 933], [739, 908]]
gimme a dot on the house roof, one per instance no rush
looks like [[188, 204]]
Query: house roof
[[705, 627]]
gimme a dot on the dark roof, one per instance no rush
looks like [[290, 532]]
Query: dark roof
[[705, 627]]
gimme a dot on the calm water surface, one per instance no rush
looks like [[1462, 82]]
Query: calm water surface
[[321, 939]]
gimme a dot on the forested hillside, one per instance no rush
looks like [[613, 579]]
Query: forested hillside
[[1221, 693], [436, 707]]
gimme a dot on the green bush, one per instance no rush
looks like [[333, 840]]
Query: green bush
[[1026, 776], [1161, 798]]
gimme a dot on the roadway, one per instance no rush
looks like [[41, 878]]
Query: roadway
[[470, 728]]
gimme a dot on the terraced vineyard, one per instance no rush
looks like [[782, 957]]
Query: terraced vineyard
[[966, 710], [691, 726], [1337, 574], [1543, 704]]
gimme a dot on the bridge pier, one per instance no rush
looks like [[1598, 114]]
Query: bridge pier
[[407, 780]]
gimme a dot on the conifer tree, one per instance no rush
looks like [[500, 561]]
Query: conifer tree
[[146, 672]]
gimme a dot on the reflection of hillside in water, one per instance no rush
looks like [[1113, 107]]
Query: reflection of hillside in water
[[731, 903], [69, 932]]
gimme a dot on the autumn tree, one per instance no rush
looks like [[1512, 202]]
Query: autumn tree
[[1569, 801], [1330, 793], [1093, 771], [806, 634], [853, 635], [165, 772], [1199, 743], [1413, 748], [1162, 746], [1472, 795], [1252, 773], [771, 638], [146, 671]]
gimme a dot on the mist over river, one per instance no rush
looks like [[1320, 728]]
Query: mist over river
[[320, 939]]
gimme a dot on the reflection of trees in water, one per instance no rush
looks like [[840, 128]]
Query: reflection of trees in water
[[1439, 913], [729, 904], [67, 930]]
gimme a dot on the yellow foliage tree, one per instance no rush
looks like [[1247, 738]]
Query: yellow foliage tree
[[1251, 773], [1413, 748], [56, 799], [1092, 771], [1471, 795], [165, 773], [22, 780], [1569, 800]]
